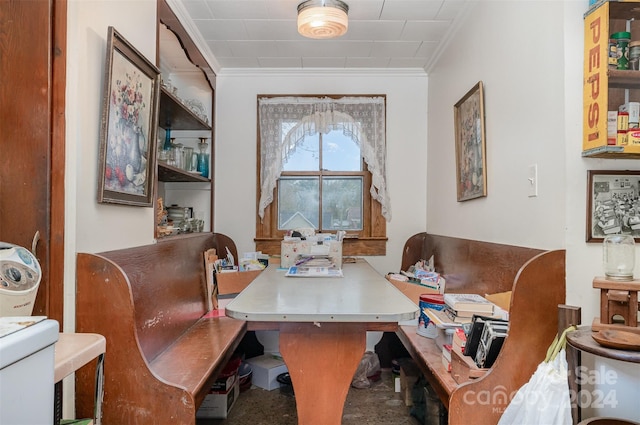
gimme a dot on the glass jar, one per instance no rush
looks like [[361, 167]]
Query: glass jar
[[619, 256]]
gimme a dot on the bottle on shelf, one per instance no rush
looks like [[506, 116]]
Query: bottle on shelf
[[203, 158]]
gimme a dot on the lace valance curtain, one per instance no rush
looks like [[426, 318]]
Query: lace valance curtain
[[361, 118]]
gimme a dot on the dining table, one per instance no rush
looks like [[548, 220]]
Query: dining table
[[322, 323]]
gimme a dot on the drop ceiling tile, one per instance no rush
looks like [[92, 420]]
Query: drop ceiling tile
[[238, 9], [411, 9], [324, 48], [374, 30], [253, 48], [451, 9], [263, 33], [368, 10], [282, 9], [214, 29], [395, 48], [426, 49], [198, 8], [425, 30], [220, 48], [272, 30]]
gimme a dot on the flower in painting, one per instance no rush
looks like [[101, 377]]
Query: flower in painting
[[127, 99]]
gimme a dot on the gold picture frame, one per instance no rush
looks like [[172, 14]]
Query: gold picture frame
[[471, 169], [129, 123]]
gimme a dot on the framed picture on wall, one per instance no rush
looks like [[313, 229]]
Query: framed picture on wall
[[471, 171], [613, 204], [129, 122]]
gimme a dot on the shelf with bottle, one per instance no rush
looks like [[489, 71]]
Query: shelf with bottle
[[175, 115], [605, 87], [170, 173]]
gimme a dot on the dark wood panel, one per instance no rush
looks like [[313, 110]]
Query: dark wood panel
[[27, 126]]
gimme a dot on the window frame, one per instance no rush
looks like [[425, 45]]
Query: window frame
[[371, 240]]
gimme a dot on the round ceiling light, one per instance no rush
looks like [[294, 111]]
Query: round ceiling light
[[323, 18]]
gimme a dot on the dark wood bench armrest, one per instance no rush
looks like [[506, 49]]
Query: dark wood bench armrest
[[194, 360]]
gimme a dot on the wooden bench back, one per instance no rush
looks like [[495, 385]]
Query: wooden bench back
[[161, 277], [469, 266]]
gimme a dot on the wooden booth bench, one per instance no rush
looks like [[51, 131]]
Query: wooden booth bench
[[537, 281], [163, 354]]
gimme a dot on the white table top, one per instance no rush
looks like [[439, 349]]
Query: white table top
[[362, 295]]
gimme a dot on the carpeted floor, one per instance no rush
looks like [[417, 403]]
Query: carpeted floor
[[377, 405]]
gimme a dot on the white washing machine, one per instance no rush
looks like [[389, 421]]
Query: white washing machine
[[27, 362]]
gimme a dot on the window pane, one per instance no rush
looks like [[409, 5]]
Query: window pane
[[298, 202], [340, 153], [342, 203], [305, 156]]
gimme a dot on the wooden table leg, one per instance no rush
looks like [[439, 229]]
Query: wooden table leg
[[322, 360]]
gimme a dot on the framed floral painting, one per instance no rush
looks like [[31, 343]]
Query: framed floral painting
[[471, 162], [129, 123]]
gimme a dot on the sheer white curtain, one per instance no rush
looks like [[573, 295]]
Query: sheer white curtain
[[361, 118]]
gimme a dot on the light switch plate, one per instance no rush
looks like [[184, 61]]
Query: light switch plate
[[532, 180]]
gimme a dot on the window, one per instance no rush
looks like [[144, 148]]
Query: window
[[315, 170]]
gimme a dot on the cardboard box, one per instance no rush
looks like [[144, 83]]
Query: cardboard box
[[224, 384], [265, 370], [412, 290], [217, 405], [235, 282], [291, 249], [409, 375]]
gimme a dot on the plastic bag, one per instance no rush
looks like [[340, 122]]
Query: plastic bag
[[545, 398], [369, 365]]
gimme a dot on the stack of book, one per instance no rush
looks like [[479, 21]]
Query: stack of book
[[314, 266], [460, 308], [446, 356], [459, 340]]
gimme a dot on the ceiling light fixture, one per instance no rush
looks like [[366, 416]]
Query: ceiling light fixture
[[323, 18]]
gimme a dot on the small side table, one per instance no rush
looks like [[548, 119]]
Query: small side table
[[74, 350], [581, 340]]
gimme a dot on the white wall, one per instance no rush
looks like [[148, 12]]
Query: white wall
[[529, 55], [89, 226], [522, 86], [100, 227], [236, 142]]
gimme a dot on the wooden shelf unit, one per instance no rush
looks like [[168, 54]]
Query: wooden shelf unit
[[606, 89]]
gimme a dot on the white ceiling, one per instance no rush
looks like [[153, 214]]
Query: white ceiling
[[383, 34]]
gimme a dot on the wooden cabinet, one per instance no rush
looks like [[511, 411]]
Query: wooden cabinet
[[187, 79], [605, 89]]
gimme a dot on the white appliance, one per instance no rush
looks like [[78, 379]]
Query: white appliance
[[20, 276], [27, 363]]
